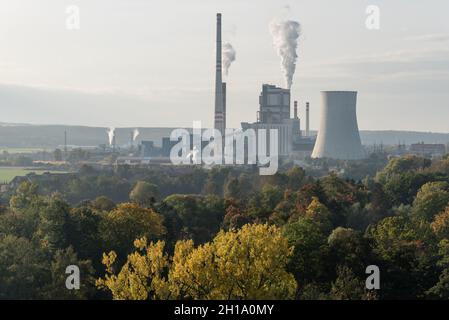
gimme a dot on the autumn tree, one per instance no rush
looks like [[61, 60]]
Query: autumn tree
[[318, 212], [440, 224], [240, 264], [141, 277]]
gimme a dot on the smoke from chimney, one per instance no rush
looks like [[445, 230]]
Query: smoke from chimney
[[285, 40], [229, 56], [111, 135], [135, 134]]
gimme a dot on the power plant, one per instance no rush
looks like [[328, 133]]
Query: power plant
[[274, 113], [338, 136]]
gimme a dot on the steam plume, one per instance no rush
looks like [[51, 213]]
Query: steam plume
[[111, 135], [229, 56], [285, 40], [135, 134], [193, 155]]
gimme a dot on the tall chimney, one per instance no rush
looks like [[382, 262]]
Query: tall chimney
[[223, 89], [219, 123], [295, 110], [307, 120], [65, 144]]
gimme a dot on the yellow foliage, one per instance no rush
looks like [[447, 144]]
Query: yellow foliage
[[440, 224], [141, 274], [240, 264], [319, 213]]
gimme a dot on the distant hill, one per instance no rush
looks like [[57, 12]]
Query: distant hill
[[394, 137], [50, 136]]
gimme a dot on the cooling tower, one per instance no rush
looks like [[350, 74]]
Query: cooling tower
[[338, 136]]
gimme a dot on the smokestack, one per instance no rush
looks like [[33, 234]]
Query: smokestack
[[219, 110], [65, 144], [132, 140], [307, 120], [223, 89], [295, 110]]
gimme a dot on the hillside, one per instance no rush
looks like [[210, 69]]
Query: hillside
[[49, 136]]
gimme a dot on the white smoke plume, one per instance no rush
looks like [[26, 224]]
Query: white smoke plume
[[111, 135], [193, 155], [135, 134], [285, 40], [229, 56]]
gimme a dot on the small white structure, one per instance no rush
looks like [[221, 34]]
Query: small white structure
[[338, 136]]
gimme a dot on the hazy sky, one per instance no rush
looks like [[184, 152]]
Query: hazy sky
[[151, 63]]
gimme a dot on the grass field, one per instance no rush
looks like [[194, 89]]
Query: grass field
[[9, 173], [21, 150]]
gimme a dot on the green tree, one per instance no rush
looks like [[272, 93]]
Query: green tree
[[144, 193], [193, 217], [83, 232], [56, 287], [122, 225], [431, 199], [310, 249], [53, 223], [103, 203], [57, 155], [347, 286], [296, 178], [349, 248], [23, 268], [408, 253]]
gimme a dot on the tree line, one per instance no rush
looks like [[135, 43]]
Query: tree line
[[225, 233]]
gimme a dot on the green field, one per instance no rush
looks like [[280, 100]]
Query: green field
[[9, 173], [21, 150]]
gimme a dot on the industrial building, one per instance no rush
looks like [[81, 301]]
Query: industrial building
[[338, 135], [431, 150], [274, 113]]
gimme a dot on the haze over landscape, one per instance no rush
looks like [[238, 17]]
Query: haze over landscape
[[151, 63]]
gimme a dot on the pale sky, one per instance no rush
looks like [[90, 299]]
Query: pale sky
[[151, 62]]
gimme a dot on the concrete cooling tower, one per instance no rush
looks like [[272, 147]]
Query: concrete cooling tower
[[338, 136]]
